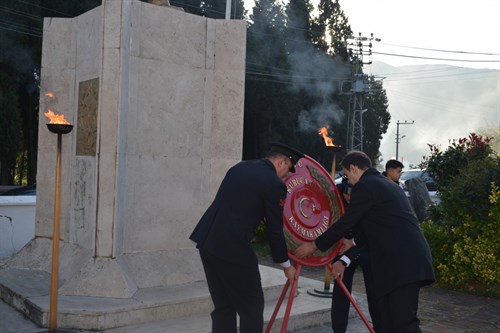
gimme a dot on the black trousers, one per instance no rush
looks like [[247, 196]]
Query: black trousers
[[398, 310], [340, 302], [235, 289]]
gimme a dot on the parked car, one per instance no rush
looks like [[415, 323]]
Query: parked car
[[338, 178], [426, 178], [22, 190], [417, 173]]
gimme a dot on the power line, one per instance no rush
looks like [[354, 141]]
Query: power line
[[46, 8], [425, 75], [454, 106], [441, 50], [431, 58], [34, 34], [289, 27], [281, 75], [21, 13]]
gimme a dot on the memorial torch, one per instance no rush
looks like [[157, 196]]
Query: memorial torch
[[323, 131], [59, 126]]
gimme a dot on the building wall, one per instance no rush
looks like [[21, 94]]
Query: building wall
[[17, 223]]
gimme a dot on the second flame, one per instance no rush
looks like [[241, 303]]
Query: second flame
[[324, 132]]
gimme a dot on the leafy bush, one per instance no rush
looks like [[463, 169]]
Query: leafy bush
[[463, 230], [444, 166], [467, 194], [440, 242], [463, 174], [468, 255]]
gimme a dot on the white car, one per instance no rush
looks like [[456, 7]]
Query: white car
[[426, 178]]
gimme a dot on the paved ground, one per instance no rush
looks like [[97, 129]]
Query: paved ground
[[440, 311]]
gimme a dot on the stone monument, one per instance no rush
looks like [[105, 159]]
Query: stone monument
[[156, 97]]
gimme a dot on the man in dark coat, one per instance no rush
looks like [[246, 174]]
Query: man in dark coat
[[384, 222], [251, 191]]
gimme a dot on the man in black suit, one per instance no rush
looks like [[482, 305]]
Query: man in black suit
[[250, 192], [384, 222]]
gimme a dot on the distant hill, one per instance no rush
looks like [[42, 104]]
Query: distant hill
[[446, 102]]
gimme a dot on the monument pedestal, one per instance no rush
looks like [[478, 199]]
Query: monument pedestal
[[179, 309], [156, 99]]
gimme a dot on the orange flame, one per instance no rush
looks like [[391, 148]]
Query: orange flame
[[324, 132], [56, 118]]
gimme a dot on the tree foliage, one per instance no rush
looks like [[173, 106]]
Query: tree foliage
[[444, 166], [65, 8], [492, 131], [20, 42], [376, 120], [266, 73], [211, 8], [10, 125], [464, 228], [332, 29]]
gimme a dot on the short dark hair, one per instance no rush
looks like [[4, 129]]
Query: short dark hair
[[393, 164], [356, 158], [274, 154]]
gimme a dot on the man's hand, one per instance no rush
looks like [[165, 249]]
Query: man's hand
[[290, 273], [347, 244], [305, 250], [338, 269]]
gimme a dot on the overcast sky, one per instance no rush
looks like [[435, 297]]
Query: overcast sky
[[460, 26]]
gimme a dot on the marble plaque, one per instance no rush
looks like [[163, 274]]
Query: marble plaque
[[88, 99]]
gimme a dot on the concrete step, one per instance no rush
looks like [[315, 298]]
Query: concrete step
[[306, 313], [162, 308]]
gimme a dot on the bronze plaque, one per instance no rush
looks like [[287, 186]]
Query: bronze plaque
[[88, 102]]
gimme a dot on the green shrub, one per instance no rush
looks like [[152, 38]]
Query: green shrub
[[463, 230], [467, 194], [444, 166], [468, 256], [440, 242]]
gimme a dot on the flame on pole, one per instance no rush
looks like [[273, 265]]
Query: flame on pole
[[323, 131], [60, 126]]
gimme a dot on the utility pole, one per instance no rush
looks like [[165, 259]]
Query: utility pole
[[228, 9], [360, 87], [398, 139]]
